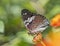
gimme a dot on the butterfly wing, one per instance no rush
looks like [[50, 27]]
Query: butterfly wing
[[34, 22], [40, 23]]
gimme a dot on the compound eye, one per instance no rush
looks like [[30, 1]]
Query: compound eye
[[24, 13]]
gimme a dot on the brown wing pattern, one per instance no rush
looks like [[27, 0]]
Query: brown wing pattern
[[37, 21]]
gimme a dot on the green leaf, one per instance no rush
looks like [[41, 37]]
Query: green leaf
[[55, 10], [1, 27]]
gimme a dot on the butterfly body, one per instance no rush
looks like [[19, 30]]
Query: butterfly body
[[35, 23]]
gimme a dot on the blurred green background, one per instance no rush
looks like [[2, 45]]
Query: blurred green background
[[12, 29]]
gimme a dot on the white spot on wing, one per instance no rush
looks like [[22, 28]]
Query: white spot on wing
[[32, 18], [41, 29], [29, 20]]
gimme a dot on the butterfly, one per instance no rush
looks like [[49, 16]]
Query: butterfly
[[34, 22]]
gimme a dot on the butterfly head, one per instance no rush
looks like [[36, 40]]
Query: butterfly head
[[25, 12]]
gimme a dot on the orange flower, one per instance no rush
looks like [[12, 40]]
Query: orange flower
[[38, 40], [55, 22]]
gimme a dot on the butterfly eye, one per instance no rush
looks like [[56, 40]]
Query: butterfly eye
[[24, 13]]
